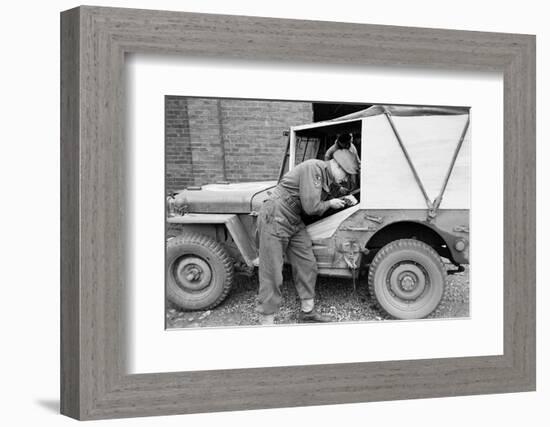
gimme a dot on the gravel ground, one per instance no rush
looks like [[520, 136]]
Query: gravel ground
[[335, 297]]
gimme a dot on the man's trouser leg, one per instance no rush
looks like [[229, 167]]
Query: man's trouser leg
[[270, 271], [304, 265]]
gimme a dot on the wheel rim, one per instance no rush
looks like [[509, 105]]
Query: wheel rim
[[191, 273], [408, 286], [407, 280]]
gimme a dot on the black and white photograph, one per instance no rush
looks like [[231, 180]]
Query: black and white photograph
[[268, 214], [308, 212]]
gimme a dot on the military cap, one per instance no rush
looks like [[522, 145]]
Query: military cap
[[347, 161]]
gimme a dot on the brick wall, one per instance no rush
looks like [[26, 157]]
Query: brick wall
[[179, 170], [206, 140], [210, 139]]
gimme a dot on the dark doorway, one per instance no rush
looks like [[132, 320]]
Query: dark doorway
[[328, 111]]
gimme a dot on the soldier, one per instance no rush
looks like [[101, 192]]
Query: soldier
[[342, 141], [305, 189], [345, 141]]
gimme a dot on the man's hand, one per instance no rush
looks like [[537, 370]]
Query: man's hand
[[337, 203], [350, 200]]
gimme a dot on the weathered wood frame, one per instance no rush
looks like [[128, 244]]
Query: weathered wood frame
[[94, 42]]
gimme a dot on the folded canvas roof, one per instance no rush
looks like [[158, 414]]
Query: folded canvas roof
[[403, 110], [394, 110]]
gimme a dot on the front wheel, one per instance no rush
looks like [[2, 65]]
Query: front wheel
[[407, 278], [199, 272]]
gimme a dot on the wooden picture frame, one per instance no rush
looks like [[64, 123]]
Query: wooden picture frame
[[94, 41]]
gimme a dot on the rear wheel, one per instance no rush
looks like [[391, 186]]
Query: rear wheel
[[407, 278], [199, 272]]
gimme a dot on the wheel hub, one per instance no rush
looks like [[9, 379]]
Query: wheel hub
[[192, 273], [407, 281]]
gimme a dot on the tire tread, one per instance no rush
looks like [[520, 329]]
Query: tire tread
[[218, 250], [390, 247]]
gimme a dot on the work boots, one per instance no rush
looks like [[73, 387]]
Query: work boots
[[313, 316]]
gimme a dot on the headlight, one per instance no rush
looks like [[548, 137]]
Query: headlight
[[460, 245], [171, 205]]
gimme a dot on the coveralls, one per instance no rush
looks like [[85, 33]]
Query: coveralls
[[306, 188]]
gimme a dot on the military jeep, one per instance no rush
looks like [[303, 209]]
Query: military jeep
[[412, 213]]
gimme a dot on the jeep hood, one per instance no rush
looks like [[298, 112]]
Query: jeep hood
[[242, 197]]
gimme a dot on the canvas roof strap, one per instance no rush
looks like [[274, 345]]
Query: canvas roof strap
[[409, 160], [438, 199], [432, 206]]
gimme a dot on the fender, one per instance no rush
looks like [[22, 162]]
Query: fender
[[232, 222]]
